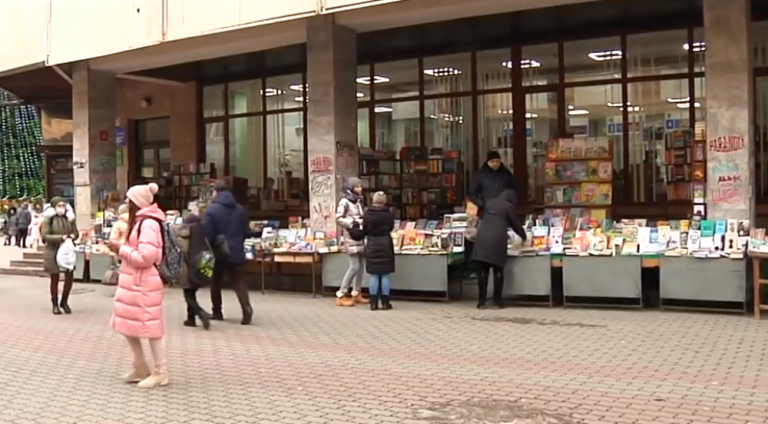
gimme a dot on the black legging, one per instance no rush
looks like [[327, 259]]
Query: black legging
[[484, 271]]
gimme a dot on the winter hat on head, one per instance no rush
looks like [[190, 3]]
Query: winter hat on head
[[55, 200], [220, 185], [379, 198], [353, 182], [492, 155], [142, 195]]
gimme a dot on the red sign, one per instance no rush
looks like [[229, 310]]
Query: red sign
[[103, 136]]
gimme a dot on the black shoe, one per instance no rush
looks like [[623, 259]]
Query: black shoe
[[205, 318], [64, 305], [190, 322], [374, 302], [247, 316], [217, 316], [385, 305], [56, 310], [498, 303], [481, 305]]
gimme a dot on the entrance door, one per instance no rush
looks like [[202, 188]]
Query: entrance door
[[152, 149]]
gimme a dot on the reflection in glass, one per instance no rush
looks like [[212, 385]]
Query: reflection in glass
[[245, 149], [285, 150], [214, 145], [658, 53], [540, 65], [363, 128], [164, 156], [285, 92], [394, 79], [244, 97], [495, 127], [699, 50], [595, 111], [540, 126], [448, 74], [397, 125], [656, 109], [363, 90], [448, 124], [493, 70], [213, 100], [589, 60]]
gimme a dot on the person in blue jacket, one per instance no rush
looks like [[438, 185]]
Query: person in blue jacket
[[226, 227]]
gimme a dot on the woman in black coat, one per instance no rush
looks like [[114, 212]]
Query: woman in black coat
[[490, 250], [378, 224]]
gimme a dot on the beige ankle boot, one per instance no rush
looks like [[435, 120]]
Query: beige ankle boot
[[140, 372], [158, 378]]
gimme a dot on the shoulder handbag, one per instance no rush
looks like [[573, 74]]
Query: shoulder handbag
[[113, 273]]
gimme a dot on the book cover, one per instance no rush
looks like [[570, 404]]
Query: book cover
[[605, 170], [577, 148], [589, 193], [555, 237], [685, 225], [683, 239], [539, 237], [694, 240], [604, 194], [664, 234], [674, 239]]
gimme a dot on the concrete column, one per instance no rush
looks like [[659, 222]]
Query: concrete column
[[729, 105], [332, 120], [93, 145]]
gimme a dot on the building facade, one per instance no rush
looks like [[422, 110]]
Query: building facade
[[263, 93]]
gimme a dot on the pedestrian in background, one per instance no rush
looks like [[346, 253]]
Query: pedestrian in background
[[378, 224], [349, 213], [58, 226], [10, 228], [138, 310], [185, 236], [23, 220]]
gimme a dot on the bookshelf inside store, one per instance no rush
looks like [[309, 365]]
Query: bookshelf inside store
[[686, 167], [187, 183], [419, 182]]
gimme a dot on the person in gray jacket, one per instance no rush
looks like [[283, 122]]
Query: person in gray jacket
[[349, 215], [22, 225]]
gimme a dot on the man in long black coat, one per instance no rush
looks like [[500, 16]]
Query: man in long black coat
[[490, 181], [490, 249]]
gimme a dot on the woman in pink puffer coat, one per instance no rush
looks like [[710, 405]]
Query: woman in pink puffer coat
[[138, 310]]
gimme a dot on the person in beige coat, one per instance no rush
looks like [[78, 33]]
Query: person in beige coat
[[349, 215], [119, 231]]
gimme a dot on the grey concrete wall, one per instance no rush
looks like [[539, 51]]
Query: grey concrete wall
[[729, 105], [332, 116], [93, 145]]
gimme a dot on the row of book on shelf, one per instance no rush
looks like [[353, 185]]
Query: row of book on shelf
[[584, 235], [419, 237]]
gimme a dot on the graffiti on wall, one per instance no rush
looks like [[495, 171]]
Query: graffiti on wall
[[346, 158], [322, 196], [727, 172]]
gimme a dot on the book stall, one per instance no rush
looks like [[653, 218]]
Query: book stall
[[758, 252]]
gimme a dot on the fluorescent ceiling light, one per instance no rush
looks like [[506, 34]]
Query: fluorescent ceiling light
[[570, 107], [300, 99], [298, 87], [505, 112], [524, 63], [606, 55], [272, 92], [360, 95], [442, 72], [448, 117], [382, 109], [632, 109], [578, 112], [698, 46], [678, 100], [609, 104], [687, 105], [376, 79], [531, 116]]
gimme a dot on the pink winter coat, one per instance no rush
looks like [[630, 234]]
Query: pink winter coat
[[139, 296]]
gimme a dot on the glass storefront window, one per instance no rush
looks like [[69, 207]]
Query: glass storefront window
[[393, 80], [285, 92], [656, 110], [494, 69], [363, 128], [447, 74], [285, 150], [595, 111], [214, 146], [761, 136], [244, 97], [363, 90], [540, 126], [397, 125], [657, 53], [494, 127], [245, 149], [699, 50], [760, 43], [213, 100], [589, 60], [540, 65], [448, 125]]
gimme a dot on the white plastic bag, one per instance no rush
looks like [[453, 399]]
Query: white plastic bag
[[66, 256]]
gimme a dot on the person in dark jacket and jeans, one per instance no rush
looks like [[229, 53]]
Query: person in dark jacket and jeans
[[490, 249], [22, 225], [490, 181], [378, 224], [226, 227]]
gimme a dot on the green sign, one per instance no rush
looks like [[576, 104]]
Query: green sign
[[119, 157]]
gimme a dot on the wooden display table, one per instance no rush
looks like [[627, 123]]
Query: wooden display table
[[758, 282], [312, 258]]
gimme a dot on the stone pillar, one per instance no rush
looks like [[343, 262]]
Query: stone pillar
[[729, 106], [332, 120], [93, 145]]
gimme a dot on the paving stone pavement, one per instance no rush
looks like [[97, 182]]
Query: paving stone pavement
[[306, 361]]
